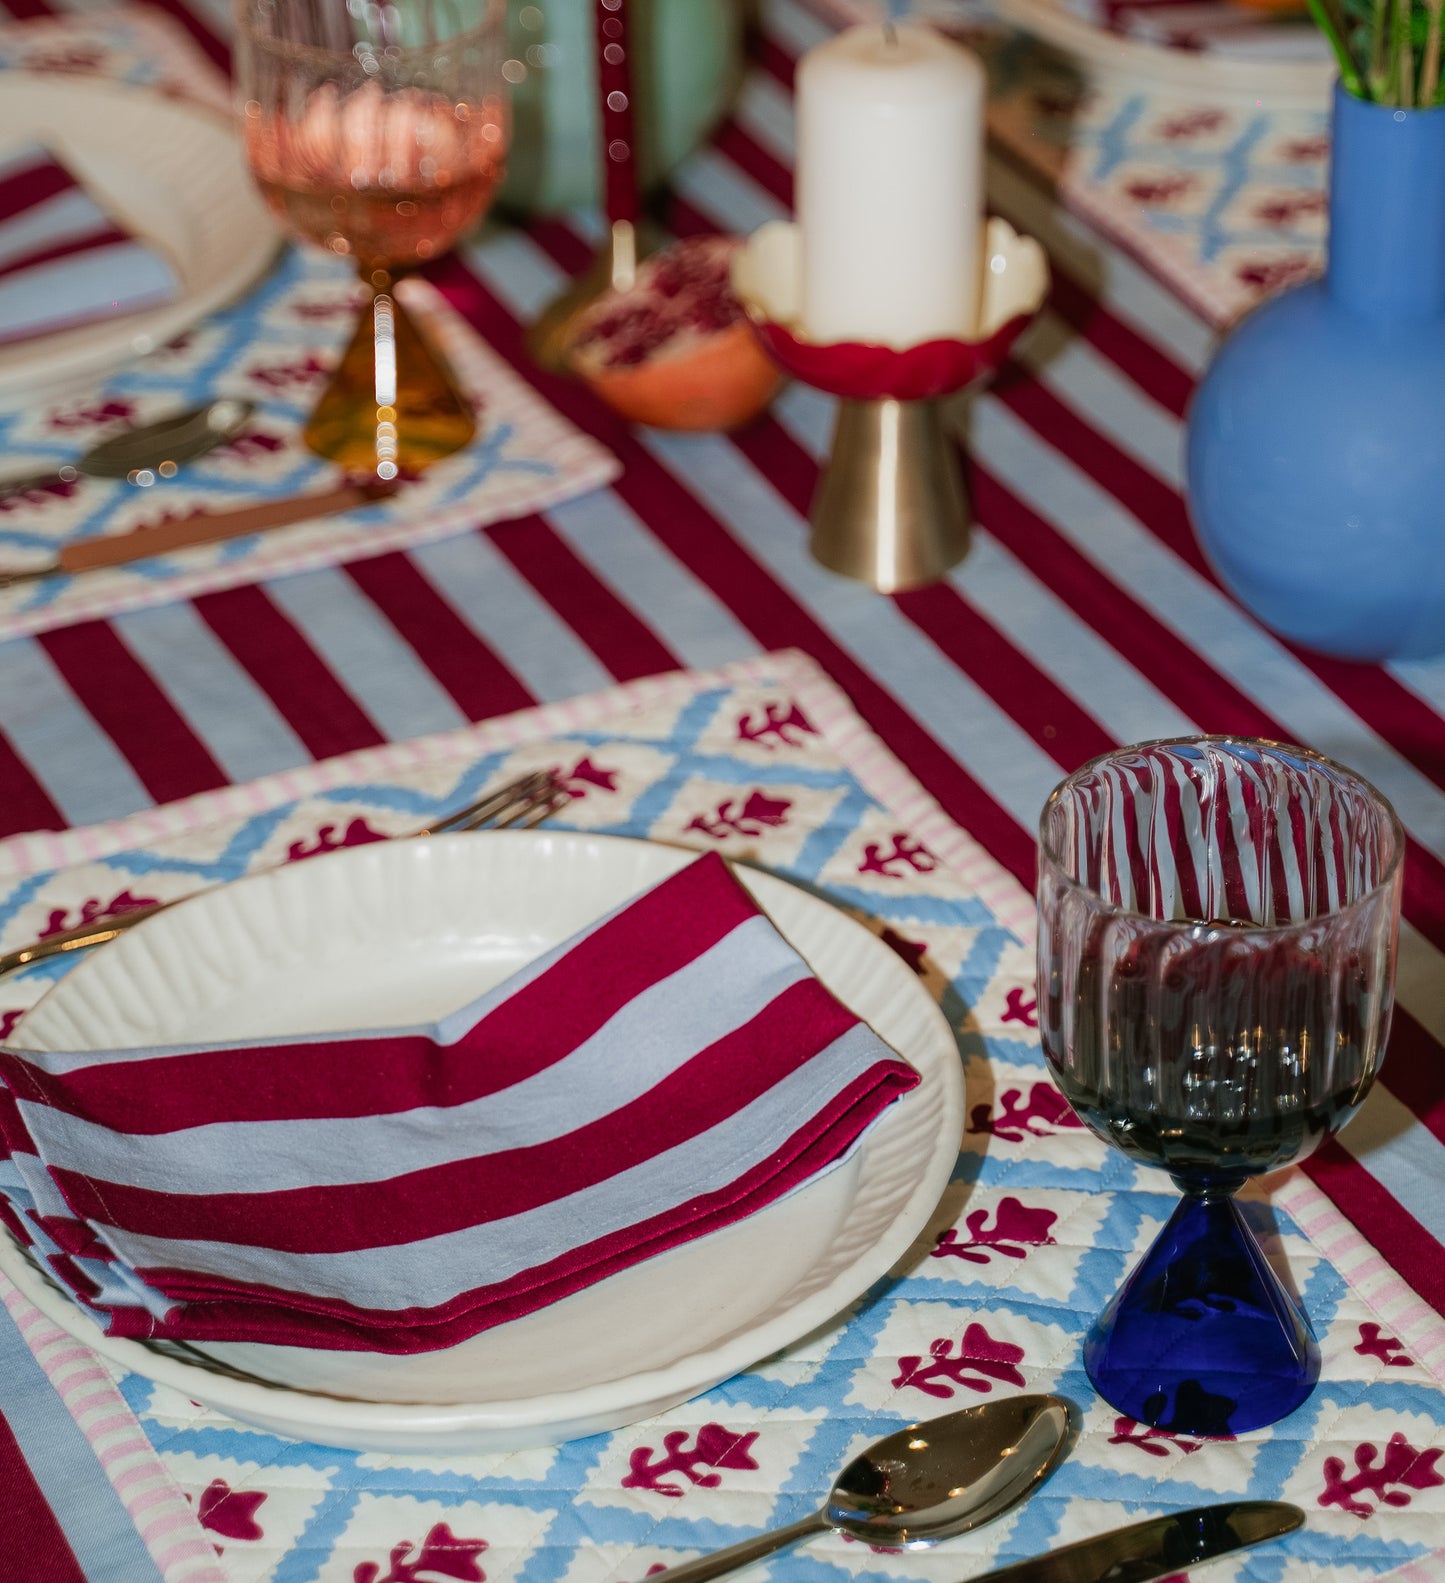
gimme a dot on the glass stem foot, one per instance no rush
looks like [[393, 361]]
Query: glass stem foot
[[392, 407], [1202, 1338]]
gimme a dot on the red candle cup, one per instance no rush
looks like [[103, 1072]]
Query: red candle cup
[[890, 507]]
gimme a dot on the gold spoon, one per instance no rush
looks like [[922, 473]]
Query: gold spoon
[[922, 1483], [148, 452]]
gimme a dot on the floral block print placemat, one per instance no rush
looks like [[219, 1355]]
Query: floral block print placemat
[[276, 348], [1226, 203], [140, 45], [764, 761]]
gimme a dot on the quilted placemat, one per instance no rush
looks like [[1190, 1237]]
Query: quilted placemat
[[763, 761], [139, 45], [276, 347], [1226, 203]]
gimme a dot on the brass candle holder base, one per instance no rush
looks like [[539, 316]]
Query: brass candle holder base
[[890, 508]]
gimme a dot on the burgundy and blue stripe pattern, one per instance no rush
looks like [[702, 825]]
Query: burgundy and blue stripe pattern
[[669, 1072], [63, 1520], [1084, 617], [63, 260]]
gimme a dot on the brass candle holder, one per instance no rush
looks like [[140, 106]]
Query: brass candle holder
[[890, 508]]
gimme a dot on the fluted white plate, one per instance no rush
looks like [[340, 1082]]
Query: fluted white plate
[[401, 932], [173, 173]]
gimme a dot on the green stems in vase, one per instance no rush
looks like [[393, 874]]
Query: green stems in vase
[[1430, 66], [1388, 51]]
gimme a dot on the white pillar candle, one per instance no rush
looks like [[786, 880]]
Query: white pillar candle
[[889, 186]]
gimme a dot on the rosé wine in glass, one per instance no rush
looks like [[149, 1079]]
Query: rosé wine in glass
[[391, 179], [378, 132]]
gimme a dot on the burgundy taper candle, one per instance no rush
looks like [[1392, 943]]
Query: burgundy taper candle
[[614, 89]]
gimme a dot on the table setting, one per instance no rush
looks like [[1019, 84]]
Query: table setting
[[656, 915]]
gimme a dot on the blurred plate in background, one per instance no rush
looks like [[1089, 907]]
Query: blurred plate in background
[[171, 172]]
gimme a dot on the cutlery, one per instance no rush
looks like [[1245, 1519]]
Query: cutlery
[[522, 803], [149, 451], [201, 527], [1156, 1548], [923, 1483]]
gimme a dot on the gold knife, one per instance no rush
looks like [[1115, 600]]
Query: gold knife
[[1158, 1547], [201, 527]]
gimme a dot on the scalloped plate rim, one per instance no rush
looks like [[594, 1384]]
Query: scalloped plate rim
[[548, 1419]]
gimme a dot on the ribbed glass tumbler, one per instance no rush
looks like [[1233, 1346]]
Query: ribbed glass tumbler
[[1217, 935]]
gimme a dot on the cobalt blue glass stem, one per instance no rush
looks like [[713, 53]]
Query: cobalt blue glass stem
[[1202, 1339]]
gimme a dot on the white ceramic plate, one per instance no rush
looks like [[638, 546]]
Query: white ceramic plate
[[1275, 84], [172, 172], [401, 932]]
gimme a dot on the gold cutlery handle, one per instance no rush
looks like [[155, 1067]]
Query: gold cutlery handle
[[522, 803], [208, 527], [76, 939], [202, 527]]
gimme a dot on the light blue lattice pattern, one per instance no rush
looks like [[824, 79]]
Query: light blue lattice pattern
[[1237, 191], [1032, 1237]]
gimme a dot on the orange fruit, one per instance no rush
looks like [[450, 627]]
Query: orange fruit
[[675, 350]]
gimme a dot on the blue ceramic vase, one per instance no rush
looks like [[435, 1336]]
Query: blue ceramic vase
[[1316, 463]]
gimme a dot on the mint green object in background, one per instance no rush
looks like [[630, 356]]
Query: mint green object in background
[[687, 63]]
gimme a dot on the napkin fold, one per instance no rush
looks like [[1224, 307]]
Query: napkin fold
[[64, 261], [667, 1072]]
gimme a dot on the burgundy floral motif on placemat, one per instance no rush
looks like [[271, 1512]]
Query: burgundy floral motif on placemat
[[1019, 1006], [1382, 1476], [755, 813], [1015, 1229], [1155, 1442], [715, 1447], [1017, 1118], [92, 910], [979, 1355], [912, 855], [440, 1554], [357, 833], [772, 728], [1374, 1344]]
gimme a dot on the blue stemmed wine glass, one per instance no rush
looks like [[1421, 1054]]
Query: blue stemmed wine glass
[[1218, 923]]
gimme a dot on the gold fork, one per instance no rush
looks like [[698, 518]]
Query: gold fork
[[519, 804]]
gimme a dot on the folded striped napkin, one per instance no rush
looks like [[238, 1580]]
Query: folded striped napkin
[[670, 1070], [63, 260]]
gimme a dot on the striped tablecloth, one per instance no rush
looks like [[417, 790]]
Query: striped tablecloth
[[1084, 615], [764, 761]]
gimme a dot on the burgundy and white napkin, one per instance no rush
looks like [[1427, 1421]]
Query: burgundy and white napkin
[[667, 1072], [63, 260]]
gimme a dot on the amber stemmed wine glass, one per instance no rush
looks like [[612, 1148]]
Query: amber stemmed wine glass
[[1217, 935], [379, 132]]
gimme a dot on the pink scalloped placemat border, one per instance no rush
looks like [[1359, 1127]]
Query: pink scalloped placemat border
[[164, 1518]]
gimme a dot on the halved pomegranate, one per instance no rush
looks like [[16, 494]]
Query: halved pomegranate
[[675, 350]]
